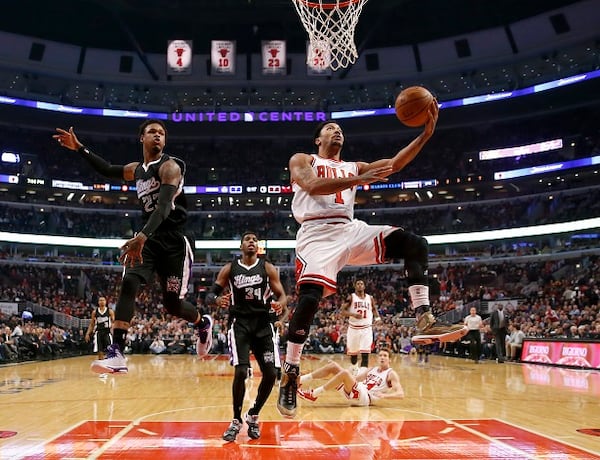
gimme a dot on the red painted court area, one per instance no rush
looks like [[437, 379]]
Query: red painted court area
[[314, 440]]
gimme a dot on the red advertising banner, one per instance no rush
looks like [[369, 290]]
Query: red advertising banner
[[562, 353]]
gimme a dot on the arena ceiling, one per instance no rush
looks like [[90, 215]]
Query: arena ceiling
[[146, 25]]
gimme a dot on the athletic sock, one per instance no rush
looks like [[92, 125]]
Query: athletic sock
[[294, 352]]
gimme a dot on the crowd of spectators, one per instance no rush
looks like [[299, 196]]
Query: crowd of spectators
[[557, 298], [26, 340]]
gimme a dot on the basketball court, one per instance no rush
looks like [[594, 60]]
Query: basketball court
[[179, 406]]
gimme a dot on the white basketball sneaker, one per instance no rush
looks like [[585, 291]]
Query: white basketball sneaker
[[114, 363]]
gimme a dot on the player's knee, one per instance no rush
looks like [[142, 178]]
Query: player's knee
[[414, 249], [126, 304], [311, 293], [130, 285], [241, 372], [269, 374], [334, 367], [401, 245], [347, 375], [309, 296]]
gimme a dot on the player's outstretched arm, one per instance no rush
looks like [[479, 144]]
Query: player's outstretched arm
[[69, 140], [408, 153]]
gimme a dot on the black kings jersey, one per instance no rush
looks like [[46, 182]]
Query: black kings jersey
[[250, 289], [102, 320], [147, 183]]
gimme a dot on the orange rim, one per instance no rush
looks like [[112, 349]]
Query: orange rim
[[328, 6]]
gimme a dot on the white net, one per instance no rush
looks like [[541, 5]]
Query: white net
[[330, 25]]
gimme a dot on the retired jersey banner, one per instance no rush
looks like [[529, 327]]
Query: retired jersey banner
[[318, 59], [179, 57], [222, 57], [274, 57]]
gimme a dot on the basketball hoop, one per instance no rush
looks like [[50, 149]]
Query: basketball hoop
[[330, 25]]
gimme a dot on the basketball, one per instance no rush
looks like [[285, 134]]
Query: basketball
[[412, 106]]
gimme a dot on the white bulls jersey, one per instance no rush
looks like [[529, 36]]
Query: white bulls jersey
[[377, 381], [341, 204], [364, 307], [366, 392]]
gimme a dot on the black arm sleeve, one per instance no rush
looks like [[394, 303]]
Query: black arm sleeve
[[215, 291], [101, 165], [166, 196]]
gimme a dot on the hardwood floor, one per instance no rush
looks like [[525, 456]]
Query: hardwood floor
[[179, 406]]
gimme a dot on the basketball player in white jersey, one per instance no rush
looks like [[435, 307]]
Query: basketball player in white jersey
[[330, 238], [369, 386], [361, 312]]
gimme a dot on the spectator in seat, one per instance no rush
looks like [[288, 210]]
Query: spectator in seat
[[514, 344], [158, 346]]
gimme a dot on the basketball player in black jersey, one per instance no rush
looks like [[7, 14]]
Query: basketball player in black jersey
[[160, 247], [251, 281], [100, 324]]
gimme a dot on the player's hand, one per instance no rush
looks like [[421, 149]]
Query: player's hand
[[379, 174], [131, 251], [224, 300], [87, 337], [279, 326], [67, 139], [434, 111], [277, 307]]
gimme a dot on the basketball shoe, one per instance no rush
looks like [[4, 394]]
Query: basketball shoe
[[205, 337], [286, 404], [429, 330], [307, 394], [231, 433], [114, 363], [253, 428]]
